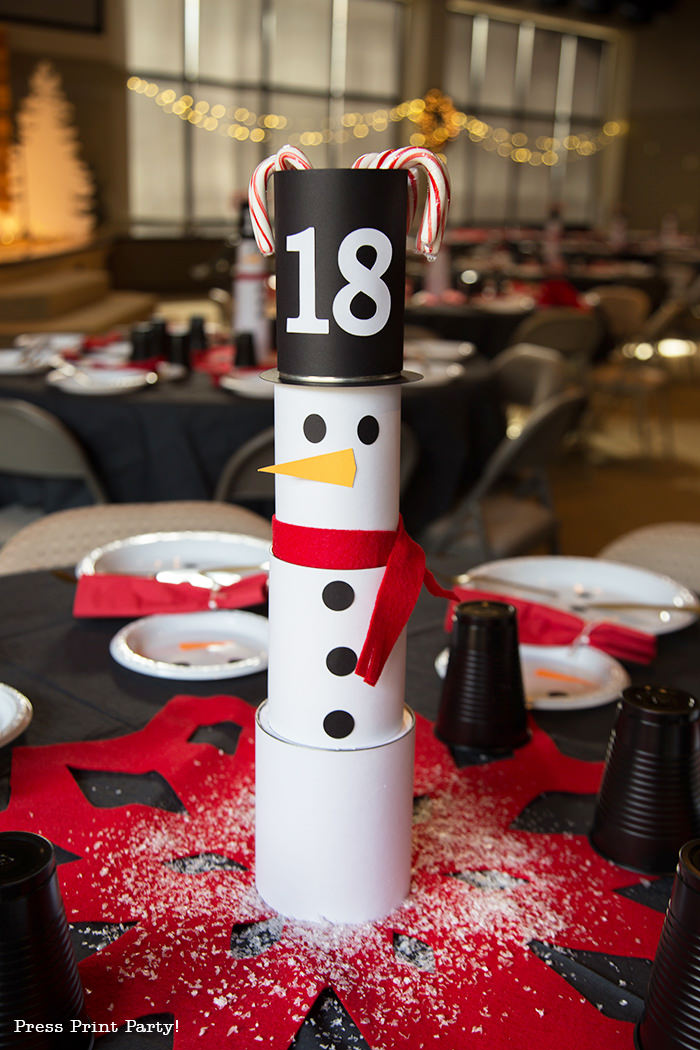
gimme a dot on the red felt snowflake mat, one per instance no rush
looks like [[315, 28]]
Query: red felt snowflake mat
[[478, 983]]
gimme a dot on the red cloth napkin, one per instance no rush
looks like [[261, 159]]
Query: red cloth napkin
[[545, 625], [103, 594]]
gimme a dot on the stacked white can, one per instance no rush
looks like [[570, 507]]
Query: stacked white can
[[334, 753]]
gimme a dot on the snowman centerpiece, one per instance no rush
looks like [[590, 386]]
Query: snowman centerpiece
[[334, 739]]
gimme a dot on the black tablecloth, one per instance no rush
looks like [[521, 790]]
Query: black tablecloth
[[172, 441], [80, 693], [489, 330]]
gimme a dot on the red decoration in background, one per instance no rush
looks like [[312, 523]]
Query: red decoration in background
[[481, 985]]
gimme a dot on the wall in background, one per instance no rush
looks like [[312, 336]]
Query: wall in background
[[91, 67], [662, 162]]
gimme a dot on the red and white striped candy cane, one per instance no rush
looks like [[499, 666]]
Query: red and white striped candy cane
[[432, 225], [370, 160], [286, 158]]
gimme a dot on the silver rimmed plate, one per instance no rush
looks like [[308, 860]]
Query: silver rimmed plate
[[595, 589], [23, 361], [564, 677], [438, 350], [199, 646], [96, 382], [177, 557], [247, 384], [15, 713]]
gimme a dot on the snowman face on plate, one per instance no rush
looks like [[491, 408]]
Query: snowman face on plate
[[313, 421]]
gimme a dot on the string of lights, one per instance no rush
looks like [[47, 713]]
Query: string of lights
[[437, 123]]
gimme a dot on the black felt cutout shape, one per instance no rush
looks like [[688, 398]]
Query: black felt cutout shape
[[614, 984], [471, 756], [328, 1026], [489, 880], [341, 661], [64, 856], [557, 812], [201, 863], [91, 937], [314, 428], [107, 790], [414, 951], [652, 893], [249, 939], [338, 724], [422, 808], [222, 735], [141, 1040], [338, 595]]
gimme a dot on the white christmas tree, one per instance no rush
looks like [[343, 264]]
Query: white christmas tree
[[52, 187]]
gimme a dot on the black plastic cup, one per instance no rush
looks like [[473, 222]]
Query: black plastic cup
[[245, 350], [671, 1018], [39, 981], [483, 701], [648, 803], [142, 346], [197, 333], [160, 336], [179, 349]]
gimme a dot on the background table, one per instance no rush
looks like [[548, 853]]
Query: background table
[[171, 441], [80, 693]]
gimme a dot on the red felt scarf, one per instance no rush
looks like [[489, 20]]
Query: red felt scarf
[[404, 575]]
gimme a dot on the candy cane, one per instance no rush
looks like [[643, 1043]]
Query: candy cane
[[370, 160], [286, 159], [432, 225]]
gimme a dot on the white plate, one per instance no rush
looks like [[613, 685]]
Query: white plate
[[434, 372], [83, 379], [438, 350], [156, 552], [23, 362], [579, 582], [15, 713], [153, 645], [564, 677], [248, 384]]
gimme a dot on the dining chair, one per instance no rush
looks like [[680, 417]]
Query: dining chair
[[64, 537], [527, 375], [670, 547], [576, 334], [509, 511], [36, 444], [624, 309]]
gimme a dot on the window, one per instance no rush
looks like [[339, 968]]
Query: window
[[221, 84], [540, 92]]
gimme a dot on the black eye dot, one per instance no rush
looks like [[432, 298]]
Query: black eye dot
[[338, 595], [314, 428], [368, 430], [338, 724], [341, 661]]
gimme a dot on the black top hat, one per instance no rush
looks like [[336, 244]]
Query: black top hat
[[340, 242]]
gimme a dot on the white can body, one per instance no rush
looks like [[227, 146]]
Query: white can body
[[333, 827]]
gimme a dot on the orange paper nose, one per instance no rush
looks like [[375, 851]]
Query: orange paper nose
[[334, 468]]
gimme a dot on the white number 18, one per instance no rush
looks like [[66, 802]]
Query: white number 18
[[360, 278]]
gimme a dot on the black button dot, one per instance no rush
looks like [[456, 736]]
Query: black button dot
[[341, 661], [338, 724], [338, 595], [368, 430], [314, 428]]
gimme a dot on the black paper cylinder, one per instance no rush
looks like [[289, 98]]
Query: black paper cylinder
[[340, 244]]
